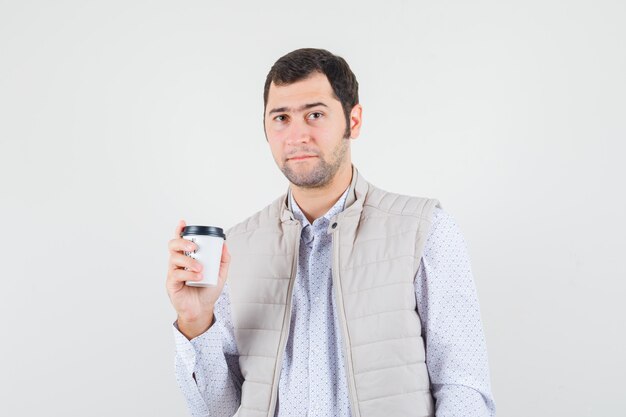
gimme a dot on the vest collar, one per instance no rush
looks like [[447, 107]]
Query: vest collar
[[353, 206]]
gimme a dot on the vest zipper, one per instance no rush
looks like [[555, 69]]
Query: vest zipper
[[344, 329], [286, 327]]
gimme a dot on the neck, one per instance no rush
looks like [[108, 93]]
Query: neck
[[315, 202]]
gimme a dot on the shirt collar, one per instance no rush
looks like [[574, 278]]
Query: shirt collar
[[334, 210]]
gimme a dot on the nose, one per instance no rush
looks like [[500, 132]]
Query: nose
[[299, 132]]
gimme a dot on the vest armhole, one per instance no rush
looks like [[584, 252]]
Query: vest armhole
[[424, 226]]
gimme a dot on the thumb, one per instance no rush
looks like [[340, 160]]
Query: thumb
[[179, 228], [224, 262], [225, 255]]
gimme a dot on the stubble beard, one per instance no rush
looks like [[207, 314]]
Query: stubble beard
[[322, 173]]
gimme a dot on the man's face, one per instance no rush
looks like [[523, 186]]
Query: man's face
[[304, 125]]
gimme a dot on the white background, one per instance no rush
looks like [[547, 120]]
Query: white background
[[118, 118]]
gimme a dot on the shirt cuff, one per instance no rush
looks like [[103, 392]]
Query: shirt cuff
[[187, 350], [456, 400]]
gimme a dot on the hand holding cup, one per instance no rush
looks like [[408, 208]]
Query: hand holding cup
[[193, 304]]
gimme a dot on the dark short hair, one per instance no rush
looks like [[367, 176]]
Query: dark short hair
[[301, 63]]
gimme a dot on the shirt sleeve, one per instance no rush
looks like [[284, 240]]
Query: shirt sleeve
[[207, 366], [447, 302]]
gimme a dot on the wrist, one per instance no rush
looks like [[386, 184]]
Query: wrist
[[191, 328]]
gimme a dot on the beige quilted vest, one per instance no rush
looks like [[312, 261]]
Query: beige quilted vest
[[378, 241]]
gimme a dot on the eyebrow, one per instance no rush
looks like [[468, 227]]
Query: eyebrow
[[301, 108]]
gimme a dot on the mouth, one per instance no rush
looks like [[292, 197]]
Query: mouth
[[301, 158]]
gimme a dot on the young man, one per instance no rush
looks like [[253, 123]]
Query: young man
[[339, 299]]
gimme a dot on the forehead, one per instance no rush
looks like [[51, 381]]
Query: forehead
[[315, 87]]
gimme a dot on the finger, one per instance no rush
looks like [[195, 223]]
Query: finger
[[177, 276], [178, 260], [180, 245]]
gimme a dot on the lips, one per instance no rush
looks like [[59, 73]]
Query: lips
[[301, 157]]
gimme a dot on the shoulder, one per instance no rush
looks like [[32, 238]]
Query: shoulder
[[442, 217], [399, 204], [444, 223], [445, 239]]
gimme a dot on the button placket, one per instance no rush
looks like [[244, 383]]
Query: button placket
[[315, 307], [317, 322]]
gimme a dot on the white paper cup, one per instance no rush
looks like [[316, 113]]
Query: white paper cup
[[209, 241]]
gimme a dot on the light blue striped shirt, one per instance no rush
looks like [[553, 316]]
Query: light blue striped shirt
[[313, 379]]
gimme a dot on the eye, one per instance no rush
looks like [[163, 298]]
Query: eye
[[278, 118], [315, 115]]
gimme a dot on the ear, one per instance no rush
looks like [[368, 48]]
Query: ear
[[355, 121]]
